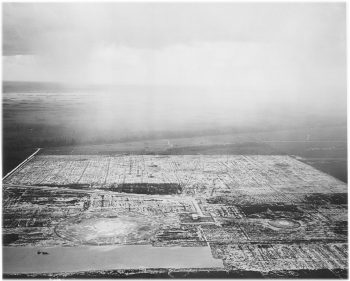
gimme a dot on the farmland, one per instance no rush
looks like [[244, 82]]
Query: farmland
[[257, 214]]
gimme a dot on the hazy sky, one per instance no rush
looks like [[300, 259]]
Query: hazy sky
[[289, 51]]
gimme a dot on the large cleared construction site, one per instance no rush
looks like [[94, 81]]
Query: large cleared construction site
[[179, 215]]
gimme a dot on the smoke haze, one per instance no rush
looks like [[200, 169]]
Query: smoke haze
[[209, 63]]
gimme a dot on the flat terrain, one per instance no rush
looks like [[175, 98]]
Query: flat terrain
[[128, 175], [243, 216], [162, 120]]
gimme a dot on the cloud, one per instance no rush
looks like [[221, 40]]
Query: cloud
[[31, 26], [290, 53], [240, 66]]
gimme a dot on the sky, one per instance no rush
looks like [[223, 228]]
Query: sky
[[288, 52]]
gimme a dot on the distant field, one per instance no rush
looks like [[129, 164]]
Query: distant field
[[194, 174], [329, 156], [117, 121]]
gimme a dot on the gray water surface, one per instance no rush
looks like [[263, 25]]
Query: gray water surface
[[85, 258]]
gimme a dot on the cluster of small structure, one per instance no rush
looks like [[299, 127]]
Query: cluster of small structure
[[256, 213]]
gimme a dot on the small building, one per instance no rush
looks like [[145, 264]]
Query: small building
[[195, 217]]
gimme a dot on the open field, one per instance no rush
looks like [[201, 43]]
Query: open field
[[258, 214]]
